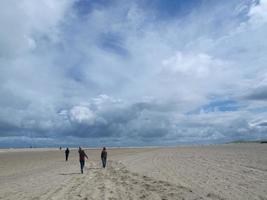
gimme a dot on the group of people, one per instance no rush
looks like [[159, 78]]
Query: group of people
[[82, 156]]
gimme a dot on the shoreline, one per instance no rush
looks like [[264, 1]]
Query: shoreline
[[23, 149]]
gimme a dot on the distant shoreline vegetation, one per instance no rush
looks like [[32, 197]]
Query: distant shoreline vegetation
[[248, 141]]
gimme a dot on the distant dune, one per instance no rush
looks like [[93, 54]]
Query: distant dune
[[248, 141]]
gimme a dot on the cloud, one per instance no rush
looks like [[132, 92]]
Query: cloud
[[81, 114], [258, 94], [23, 23], [258, 123], [139, 73], [258, 12]]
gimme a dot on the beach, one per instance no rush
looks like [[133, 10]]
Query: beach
[[230, 171]]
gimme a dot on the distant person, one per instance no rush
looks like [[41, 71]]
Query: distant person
[[104, 155], [60, 148], [67, 152], [82, 156]]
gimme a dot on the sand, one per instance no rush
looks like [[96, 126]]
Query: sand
[[233, 171]]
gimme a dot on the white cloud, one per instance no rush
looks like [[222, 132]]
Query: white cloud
[[200, 66], [24, 21], [82, 115], [258, 122], [258, 13]]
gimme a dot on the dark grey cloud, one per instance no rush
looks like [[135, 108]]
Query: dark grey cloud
[[262, 124], [259, 93], [128, 124]]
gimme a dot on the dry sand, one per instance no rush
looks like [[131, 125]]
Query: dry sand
[[234, 171]]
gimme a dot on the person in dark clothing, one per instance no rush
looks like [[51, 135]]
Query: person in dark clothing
[[67, 151], [82, 156], [104, 155]]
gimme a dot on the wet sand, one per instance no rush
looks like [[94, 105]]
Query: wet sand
[[232, 171]]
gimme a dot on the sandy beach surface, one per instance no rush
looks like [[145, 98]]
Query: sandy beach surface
[[232, 171]]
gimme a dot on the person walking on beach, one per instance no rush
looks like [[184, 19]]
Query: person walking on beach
[[104, 155], [67, 151], [82, 156]]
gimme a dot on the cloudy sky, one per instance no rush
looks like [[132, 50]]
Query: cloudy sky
[[132, 73]]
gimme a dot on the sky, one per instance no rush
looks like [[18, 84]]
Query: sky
[[132, 73]]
